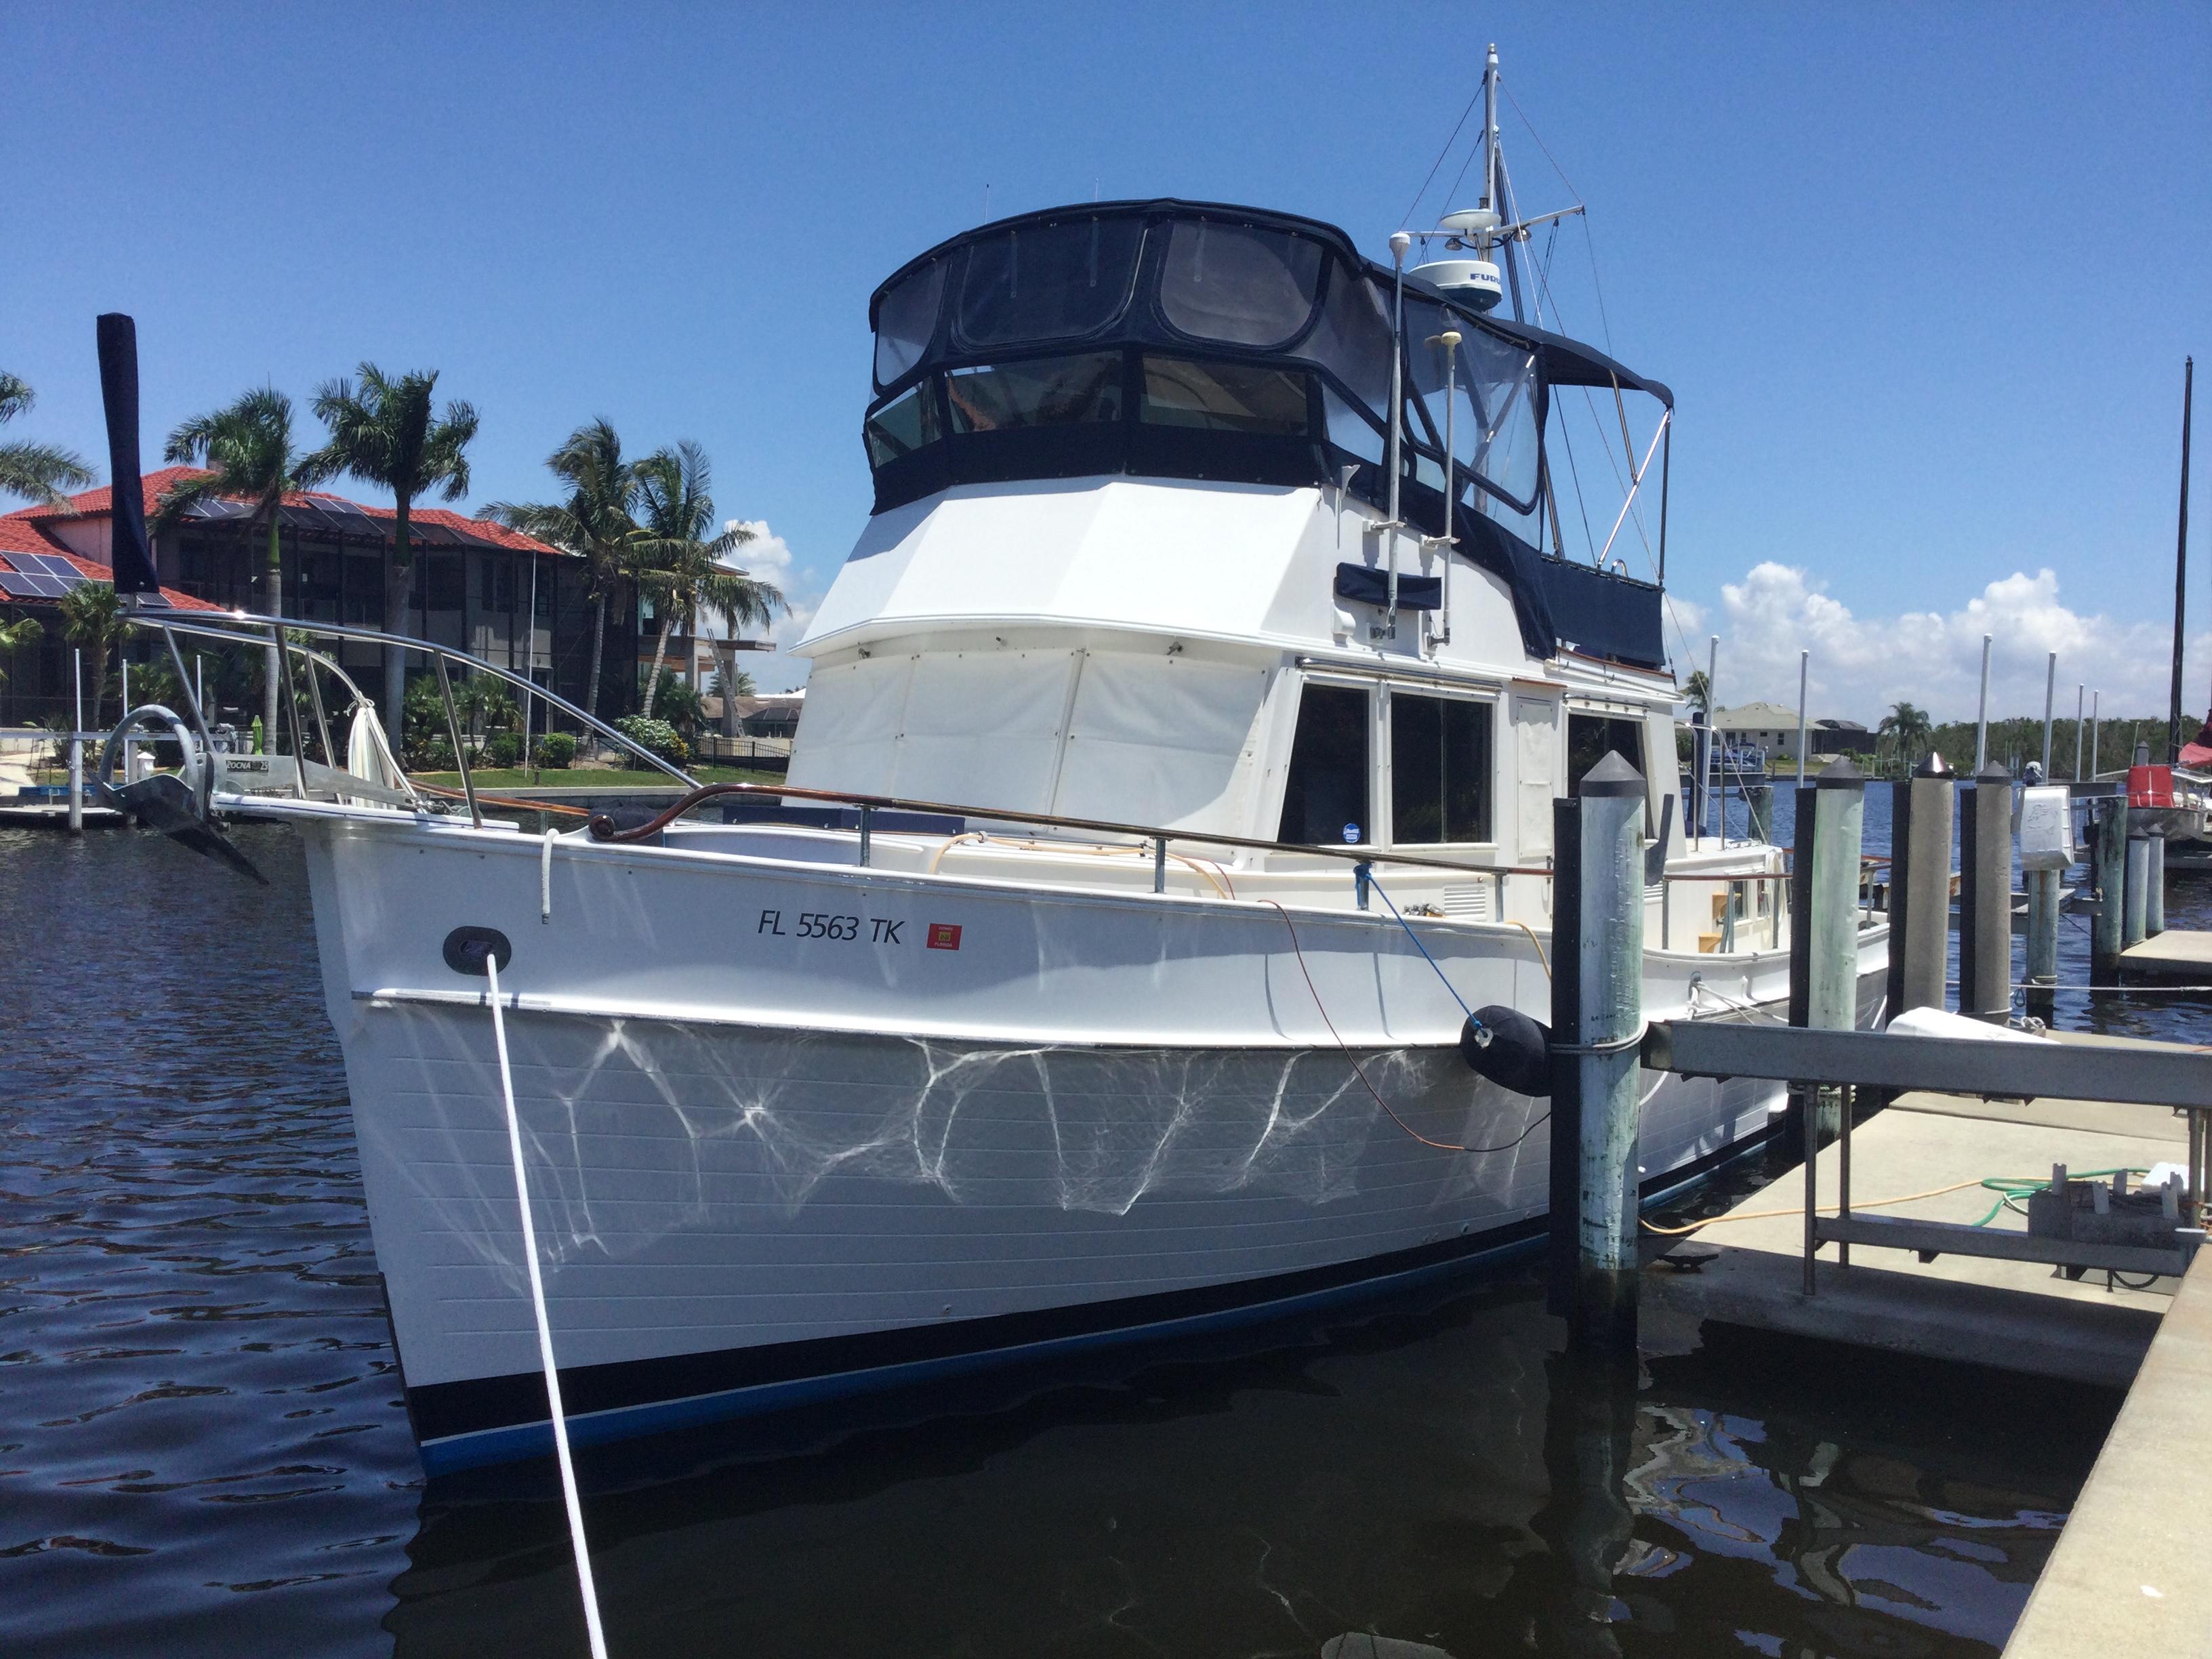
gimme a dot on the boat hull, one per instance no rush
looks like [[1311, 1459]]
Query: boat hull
[[740, 1203]]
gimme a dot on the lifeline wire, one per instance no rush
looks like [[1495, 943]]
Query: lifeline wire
[[545, 1325], [1359, 1072]]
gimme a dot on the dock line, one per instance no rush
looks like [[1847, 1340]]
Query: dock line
[[583, 1553]]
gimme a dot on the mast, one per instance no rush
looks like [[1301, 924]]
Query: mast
[[1490, 130], [2181, 561]]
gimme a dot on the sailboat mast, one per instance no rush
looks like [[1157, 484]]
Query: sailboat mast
[[2181, 560]]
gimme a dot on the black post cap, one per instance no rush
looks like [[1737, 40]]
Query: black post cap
[[1840, 773], [1612, 775], [1933, 767]]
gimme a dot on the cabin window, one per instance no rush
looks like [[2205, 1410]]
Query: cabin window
[[906, 320], [1591, 738], [1048, 281], [1237, 285], [902, 426], [1325, 797], [1352, 339], [1042, 392], [1440, 770], [1224, 396]]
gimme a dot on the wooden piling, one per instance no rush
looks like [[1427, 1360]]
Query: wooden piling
[[1920, 887], [2135, 913], [1985, 897], [1597, 1017], [2109, 844], [1823, 879], [2155, 887]]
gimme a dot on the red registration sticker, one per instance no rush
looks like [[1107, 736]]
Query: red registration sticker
[[944, 936]]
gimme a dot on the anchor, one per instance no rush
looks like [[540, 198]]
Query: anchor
[[175, 803]]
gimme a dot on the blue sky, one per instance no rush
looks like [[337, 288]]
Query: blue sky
[[1921, 278]]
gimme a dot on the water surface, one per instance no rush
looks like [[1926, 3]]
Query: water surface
[[202, 1449]]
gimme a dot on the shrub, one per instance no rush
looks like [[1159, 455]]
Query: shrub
[[556, 750], [503, 749], [657, 736]]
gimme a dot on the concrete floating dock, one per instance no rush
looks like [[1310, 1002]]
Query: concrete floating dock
[[2178, 953], [2129, 1574], [2013, 1316]]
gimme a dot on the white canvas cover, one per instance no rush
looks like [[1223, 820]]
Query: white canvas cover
[[1535, 760], [1161, 740]]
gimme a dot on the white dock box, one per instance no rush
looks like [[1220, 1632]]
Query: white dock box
[[2047, 828]]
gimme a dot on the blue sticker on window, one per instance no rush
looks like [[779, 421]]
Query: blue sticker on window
[[1351, 833]]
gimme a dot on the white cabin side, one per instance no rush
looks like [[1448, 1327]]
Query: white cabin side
[[1176, 653]]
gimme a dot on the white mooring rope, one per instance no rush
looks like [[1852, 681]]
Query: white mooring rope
[[545, 1325]]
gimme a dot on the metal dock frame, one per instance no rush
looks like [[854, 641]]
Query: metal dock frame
[[1992, 1069]]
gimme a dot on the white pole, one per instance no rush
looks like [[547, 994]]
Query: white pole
[[2081, 692], [2049, 691], [77, 657], [2096, 707], [591, 1593], [1713, 728], [1399, 243], [1982, 719], [1804, 659], [1451, 339], [530, 664]]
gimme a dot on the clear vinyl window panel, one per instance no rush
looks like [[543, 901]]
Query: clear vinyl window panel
[[1224, 396], [1325, 796], [1042, 392], [906, 320], [1047, 281], [1238, 284], [1442, 767]]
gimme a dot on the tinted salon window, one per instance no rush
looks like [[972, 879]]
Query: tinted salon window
[[1047, 281], [1224, 396], [1042, 392], [1591, 738], [1440, 770], [901, 427], [1232, 283], [1324, 800]]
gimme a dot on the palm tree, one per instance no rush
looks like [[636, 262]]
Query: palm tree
[[92, 618], [18, 636], [676, 564], [38, 471], [596, 521], [246, 449], [1911, 726], [1697, 691], [387, 432]]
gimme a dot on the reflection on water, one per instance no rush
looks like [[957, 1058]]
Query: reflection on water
[[202, 1449]]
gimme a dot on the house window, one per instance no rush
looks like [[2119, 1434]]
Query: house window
[[445, 581], [1440, 770], [494, 584], [1325, 797]]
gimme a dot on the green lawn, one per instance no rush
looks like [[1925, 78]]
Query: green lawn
[[583, 777]]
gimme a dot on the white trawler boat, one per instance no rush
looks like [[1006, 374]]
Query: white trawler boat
[[1051, 999]]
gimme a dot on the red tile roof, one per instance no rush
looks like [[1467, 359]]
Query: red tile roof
[[98, 503]]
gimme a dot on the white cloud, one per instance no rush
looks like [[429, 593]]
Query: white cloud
[[1862, 665], [770, 558]]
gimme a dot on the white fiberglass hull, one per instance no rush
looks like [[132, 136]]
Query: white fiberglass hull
[[771, 1157]]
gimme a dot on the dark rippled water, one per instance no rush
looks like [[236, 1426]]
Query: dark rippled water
[[202, 1449]]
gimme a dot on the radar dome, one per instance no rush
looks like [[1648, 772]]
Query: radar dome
[[1473, 282]]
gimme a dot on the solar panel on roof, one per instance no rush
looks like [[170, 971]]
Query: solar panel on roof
[[153, 602], [30, 585], [53, 564], [16, 586]]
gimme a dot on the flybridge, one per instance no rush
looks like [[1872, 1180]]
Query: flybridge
[[1178, 340]]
